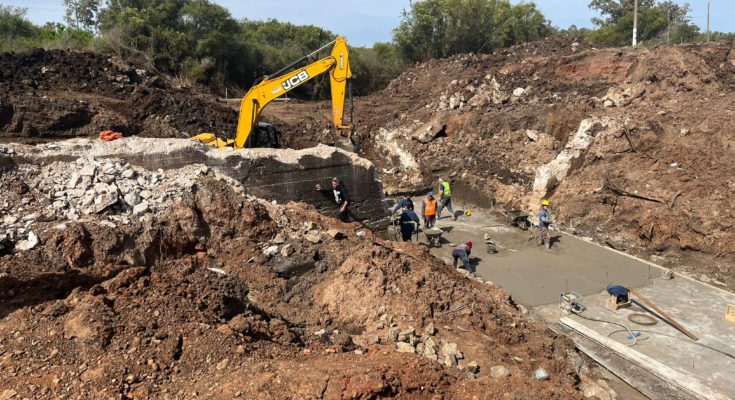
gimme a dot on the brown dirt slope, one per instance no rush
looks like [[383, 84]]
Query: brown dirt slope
[[192, 303], [52, 94], [489, 122]]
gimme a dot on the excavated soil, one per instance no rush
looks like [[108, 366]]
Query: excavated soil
[[488, 122], [54, 94], [221, 296]]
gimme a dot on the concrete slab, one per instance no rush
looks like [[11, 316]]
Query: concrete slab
[[699, 308], [533, 274]]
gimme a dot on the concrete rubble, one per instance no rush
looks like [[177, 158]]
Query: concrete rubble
[[134, 177]]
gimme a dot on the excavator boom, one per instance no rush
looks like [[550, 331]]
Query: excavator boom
[[337, 64]]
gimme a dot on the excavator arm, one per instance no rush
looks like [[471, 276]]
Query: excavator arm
[[338, 66]]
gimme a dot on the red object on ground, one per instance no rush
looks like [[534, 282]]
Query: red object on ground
[[110, 135]]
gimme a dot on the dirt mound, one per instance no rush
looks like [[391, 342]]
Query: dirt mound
[[509, 128], [222, 296], [59, 93]]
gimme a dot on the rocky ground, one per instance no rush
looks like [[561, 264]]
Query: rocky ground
[[208, 293], [632, 146]]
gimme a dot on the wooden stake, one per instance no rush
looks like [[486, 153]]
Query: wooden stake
[[664, 315]]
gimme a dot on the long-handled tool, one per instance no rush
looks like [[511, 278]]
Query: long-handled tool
[[664, 315]]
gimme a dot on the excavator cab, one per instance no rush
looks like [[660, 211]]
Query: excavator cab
[[264, 135], [252, 133]]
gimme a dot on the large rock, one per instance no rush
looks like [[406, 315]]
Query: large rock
[[549, 175], [621, 96], [89, 323]]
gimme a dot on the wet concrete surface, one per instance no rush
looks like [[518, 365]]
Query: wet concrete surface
[[535, 277], [533, 274]]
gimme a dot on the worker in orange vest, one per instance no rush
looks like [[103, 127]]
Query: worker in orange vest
[[429, 210]]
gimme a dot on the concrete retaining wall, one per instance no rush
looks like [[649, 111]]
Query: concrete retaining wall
[[274, 174]]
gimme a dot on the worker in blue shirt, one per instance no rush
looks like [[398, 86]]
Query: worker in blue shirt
[[544, 220], [409, 222], [403, 204]]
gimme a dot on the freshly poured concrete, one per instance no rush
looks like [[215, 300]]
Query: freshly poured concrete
[[533, 274], [536, 276]]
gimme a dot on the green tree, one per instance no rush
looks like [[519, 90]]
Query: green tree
[[81, 14], [14, 24], [374, 67], [612, 11], [439, 28], [658, 22]]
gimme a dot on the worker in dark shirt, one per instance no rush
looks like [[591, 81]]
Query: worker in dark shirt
[[403, 204], [339, 193], [409, 223]]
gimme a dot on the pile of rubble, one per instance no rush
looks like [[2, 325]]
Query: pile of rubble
[[69, 191]]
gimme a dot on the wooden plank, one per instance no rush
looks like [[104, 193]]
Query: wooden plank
[[680, 380], [661, 312], [646, 383]]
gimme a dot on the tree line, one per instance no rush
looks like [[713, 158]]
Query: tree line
[[202, 42]]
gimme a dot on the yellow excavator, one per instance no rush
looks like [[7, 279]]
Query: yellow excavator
[[251, 133]]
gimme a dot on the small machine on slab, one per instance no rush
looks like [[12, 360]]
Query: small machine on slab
[[572, 303]]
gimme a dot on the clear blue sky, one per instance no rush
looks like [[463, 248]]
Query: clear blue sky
[[364, 22]]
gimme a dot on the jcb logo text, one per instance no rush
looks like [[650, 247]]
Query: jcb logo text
[[295, 80]]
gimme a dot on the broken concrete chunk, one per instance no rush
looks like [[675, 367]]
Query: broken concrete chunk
[[88, 170], [279, 239], [450, 349], [541, 374], [287, 250], [74, 181], [336, 234], [472, 368], [393, 334], [313, 237], [405, 348], [271, 251], [141, 208], [499, 371], [28, 244]]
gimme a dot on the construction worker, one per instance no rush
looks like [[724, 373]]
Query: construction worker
[[544, 220], [463, 252], [403, 203], [409, 223], [339, 193], [445, 199], [428, 209]]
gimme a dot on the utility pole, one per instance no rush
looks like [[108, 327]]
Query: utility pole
[[708, 4], [635, 24]]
